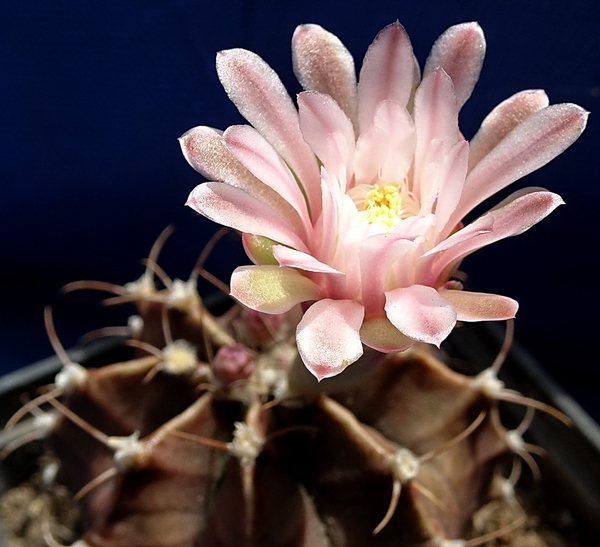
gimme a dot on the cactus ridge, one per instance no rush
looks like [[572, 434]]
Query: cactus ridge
[[215, 435]]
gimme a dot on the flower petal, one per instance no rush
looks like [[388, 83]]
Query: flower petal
[[261, 159], [517, 213], [475, 306], [531, 144], [328, 223], [502, 120], [237, 209], [436, 119], [377, 254], [303, 261], [204, 149], [328, 336], [322, 63], [387, 72], [259, 249], [256, 90], [460, 52], [414, 227], [328, 131], [378, 333], [272, 289], [453, 175], [385, 149], [436, 114], [420, 313]]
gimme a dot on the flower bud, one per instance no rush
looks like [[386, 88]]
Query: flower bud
[[232, 363]]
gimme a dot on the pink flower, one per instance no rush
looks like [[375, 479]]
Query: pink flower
[[353, 203]]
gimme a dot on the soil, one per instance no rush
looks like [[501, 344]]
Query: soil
[[38, 507]]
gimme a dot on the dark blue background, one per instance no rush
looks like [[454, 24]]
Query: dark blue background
[[95, 93]]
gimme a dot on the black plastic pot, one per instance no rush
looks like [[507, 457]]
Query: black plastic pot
[[571, 468]]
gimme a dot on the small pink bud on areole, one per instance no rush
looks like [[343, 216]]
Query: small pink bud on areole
[[233, 363]]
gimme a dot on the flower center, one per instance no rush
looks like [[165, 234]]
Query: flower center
[[386, 205]]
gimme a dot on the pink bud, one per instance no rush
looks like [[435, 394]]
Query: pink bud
[[232, 363]]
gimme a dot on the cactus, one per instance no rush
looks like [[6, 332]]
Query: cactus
[[222, 438], [315, 412]]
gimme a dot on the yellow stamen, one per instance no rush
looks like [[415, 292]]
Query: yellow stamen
[[383, 205]]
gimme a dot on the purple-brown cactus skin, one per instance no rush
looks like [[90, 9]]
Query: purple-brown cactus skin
[[160, 451], [330, 474], [177, 460], [312, 471]]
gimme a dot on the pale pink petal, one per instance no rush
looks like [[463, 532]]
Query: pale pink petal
[[205, 150], [435, 113], [335, 228], [338, 234], [398, 126], [475, 306], [518, 214], [328, 336], [328, 131], [322, 63], [436, 122], [366, 157], [385, 149], [256, 90], [261, 159], [272, 289], [403, 271], [460, 52], [415, 226], [502, 120], [237, 209], [453, 180], [531, 144], [378, 333], [427, 268], [420, 313], [427, 175], [387, 72], [483, 225], [302, 261], [327, 224], [347, 258], [377, 254]]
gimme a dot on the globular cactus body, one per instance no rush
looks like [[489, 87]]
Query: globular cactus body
[[168, 458]]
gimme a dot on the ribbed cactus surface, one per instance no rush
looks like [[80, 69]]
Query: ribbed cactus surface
[[215, 435]]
